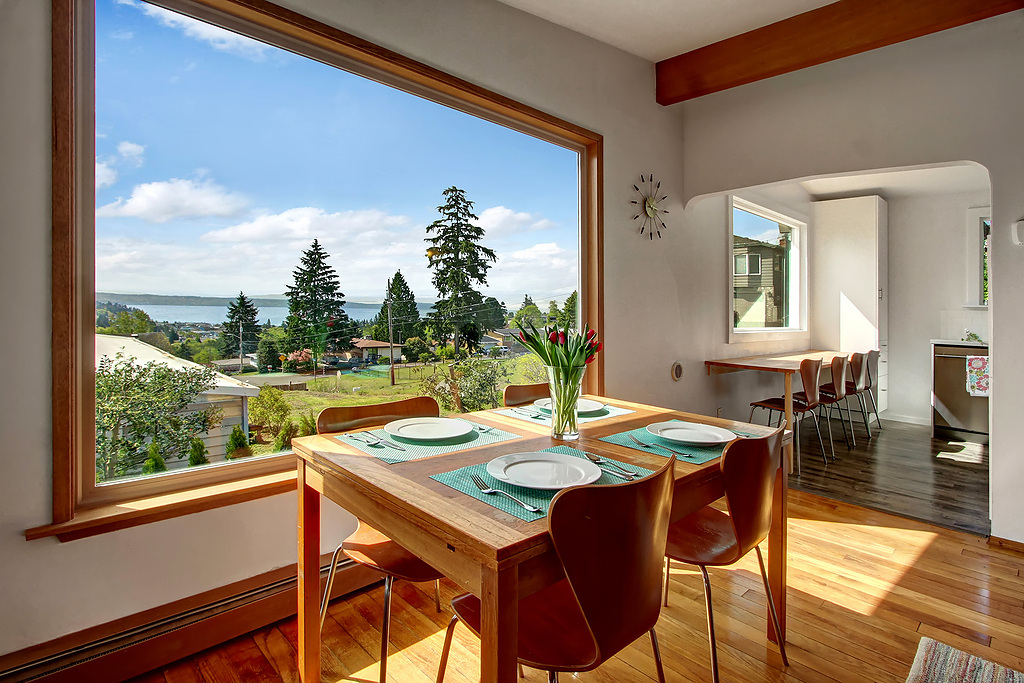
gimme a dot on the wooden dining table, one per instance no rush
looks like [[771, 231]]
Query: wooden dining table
[[488, 552]]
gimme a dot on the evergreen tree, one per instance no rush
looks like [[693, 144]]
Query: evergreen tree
[[238, 444], [155, 462], [492, 315], [316, 318], [268, 355], [459, 262], [242, 313], [567, 316], [405, 317], [197, 453], [553, 312]]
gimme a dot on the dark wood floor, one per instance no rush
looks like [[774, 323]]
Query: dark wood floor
[[902, 470]]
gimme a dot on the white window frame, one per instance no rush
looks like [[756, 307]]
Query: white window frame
[[798, 281], [746, 263], [975, 233]]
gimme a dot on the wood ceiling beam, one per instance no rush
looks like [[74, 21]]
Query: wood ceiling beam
[[838, 30]]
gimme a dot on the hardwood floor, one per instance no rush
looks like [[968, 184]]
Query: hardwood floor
[[864, 588], [902, 470]]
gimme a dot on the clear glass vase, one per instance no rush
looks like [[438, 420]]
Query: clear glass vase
[[565, 385]]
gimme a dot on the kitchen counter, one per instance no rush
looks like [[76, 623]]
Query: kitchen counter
[[957, 342]]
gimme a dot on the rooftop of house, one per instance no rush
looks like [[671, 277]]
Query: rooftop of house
[[110, 345], [372, 344]]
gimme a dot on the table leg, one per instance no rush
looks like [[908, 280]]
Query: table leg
[[309, 578], [499, 628], [777, 542], [788, 402]]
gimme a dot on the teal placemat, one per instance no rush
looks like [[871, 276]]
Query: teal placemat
[[460, 481], [695, 454], [480, 436], [531, 413]]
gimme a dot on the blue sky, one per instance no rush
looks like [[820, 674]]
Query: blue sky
[[219, 159], [746, 224]]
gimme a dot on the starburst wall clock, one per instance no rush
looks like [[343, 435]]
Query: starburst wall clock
[[649, 204]]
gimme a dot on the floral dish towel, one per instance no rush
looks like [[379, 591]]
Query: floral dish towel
[[977, 375]]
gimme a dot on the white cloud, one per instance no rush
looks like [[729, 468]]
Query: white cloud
[[500, 221], [215, 36], [105, 175], [161, 201], [305, 223], [122, 35], [544, 271], [132, 152]]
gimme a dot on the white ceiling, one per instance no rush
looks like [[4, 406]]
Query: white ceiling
[[658, 29]]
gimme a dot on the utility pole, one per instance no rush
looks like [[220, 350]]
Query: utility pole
[[239, 347], [391, 338]]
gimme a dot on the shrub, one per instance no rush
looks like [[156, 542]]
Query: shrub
[[238, 444], [415, 348], [269, 409], [476, 382], [283, 440], [307, 424], [197, 453], [426, 357], [447, 352], [155, 462]]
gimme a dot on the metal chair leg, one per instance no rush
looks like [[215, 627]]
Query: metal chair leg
[[864, 412], [828, 423], [385, 629], [814, 418], [330, 585], [447, 646], [668, 567], [771, 607], [437, 595], [796, 442], [849, 415], [711, 624], [751, 418], [552, 677], [842, 421], [874, 407], [657, 656]]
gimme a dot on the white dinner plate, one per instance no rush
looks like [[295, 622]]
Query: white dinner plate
[[428, 428], [550, 471], [691, 433], [583, 406]]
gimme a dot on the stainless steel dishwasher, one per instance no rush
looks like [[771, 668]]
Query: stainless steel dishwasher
[[955, 413]]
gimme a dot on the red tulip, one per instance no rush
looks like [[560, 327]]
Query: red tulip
[[600, 345], [590, 359], [553, 337], [591, 334], [561, 337], [522, 336]]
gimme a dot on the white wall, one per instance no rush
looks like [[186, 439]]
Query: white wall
[[927, 267], [56, 588], [945, 97]]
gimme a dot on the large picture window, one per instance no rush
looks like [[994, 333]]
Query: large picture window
[[234, 218], [766, 269]]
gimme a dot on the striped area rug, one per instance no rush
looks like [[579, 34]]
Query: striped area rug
[[939, 663]]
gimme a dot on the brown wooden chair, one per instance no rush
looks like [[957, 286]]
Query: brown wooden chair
[[367, 546], [855, 387], [829, 396], [711, 538], [610, 541], [520, 394], [810, 368]]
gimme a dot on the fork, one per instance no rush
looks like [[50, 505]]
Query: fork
[[377, 441], [640, 443], [484, 488], [535, 416], [626, 474]]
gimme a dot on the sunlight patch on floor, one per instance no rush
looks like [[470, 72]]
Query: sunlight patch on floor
[[973, 453]]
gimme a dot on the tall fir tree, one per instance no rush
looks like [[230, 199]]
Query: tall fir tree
[[316, 318], [492, 315], [405, 317], [460, 264], [241, 312], [567, 316]]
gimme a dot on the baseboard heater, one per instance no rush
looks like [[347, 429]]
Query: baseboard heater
[[57, 666]]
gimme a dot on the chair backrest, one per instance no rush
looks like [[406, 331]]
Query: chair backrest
[[343, 418], [749, 467], [872, 360], [859, 371], [611, 541], [810, 368], [839, 364], [519, 394]]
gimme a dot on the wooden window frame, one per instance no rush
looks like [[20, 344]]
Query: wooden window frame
[[73, 243]]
